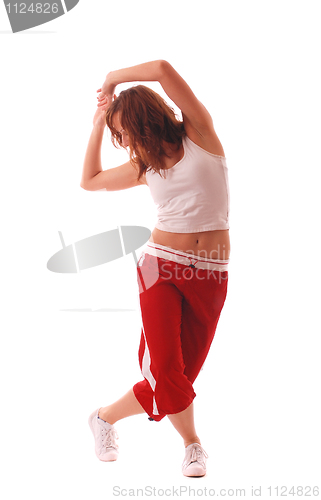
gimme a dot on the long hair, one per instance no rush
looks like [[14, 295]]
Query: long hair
[[148, 121]]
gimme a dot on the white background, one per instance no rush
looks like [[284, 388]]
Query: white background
[[255, 65]]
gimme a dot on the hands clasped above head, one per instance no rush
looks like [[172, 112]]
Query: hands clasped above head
[[105, 99], [106, 92], [103, 104]]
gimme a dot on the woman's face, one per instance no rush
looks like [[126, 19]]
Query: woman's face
[[120, 130]]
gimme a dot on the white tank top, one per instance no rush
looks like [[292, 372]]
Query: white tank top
[[194, 196]]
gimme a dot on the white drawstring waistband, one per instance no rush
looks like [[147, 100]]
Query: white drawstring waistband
[[184, 258]]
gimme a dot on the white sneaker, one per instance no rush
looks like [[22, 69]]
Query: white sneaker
[[105, 438], [194, 464]]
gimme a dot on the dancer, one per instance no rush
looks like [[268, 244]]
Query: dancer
[[182, 272]]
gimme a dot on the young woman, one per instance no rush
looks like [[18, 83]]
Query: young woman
[[182, 272]]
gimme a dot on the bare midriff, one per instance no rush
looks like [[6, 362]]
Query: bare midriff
[[208, 244]]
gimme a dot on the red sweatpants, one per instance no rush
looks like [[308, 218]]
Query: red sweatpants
[[180, 306]]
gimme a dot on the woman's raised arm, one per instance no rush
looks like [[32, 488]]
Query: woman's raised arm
[[94, 177]]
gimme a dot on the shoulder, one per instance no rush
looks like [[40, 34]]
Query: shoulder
[[209, 141]]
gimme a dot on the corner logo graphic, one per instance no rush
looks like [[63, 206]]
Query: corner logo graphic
[[98, 249], [102, 248], [28, 14]]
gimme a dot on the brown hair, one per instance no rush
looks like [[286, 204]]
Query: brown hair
[[148, 121]]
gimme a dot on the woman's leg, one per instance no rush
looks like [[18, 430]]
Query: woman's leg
[[165, 389], [200, 314], [124, 407], [184, 424]]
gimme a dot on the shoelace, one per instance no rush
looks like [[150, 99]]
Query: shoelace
[[195, 454], [109, 437]]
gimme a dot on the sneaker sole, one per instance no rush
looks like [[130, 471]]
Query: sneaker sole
[[194, 471], [194, 475]]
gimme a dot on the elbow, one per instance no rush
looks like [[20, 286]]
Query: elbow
[[164, 66], [91, 187], [166, 71], [83, 186]]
